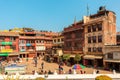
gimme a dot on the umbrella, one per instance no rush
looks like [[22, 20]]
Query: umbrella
[[78, 66]]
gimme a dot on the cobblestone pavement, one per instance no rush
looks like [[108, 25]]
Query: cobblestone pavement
[[53, 67]]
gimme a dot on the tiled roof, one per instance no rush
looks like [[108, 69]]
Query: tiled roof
[[9, 34], [118, 33]]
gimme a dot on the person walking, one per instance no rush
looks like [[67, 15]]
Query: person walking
[[42, 65], [97, 71], [70, 71], [35, 61]]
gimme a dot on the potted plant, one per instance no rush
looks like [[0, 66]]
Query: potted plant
[[103, 77]]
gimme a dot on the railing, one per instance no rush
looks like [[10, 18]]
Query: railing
[[40, 43], [6, 43], [95, 20], [30, 49], [61, 76], [95, 53], [27, 37], [6, 50]]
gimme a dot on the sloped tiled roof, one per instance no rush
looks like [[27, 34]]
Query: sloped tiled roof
[[9, 34], [118, 33]]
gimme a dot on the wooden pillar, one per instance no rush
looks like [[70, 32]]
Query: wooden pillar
[[95, 63], [105, 64]]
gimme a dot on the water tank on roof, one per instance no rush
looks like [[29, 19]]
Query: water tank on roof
[[102, 8]]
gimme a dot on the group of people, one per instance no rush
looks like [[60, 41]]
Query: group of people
[[43, 72], [60, 69], [71, 72], [36, 62]]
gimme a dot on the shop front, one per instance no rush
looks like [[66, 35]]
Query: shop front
[[112, 60], [23, 54], [93, 61], [112, 65], [40, 53]]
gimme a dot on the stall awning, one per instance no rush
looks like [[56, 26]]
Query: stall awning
[[72, 55], [3, 54], [98, 57], [92, 57], [114, 61], [13, 54], [23, 52]]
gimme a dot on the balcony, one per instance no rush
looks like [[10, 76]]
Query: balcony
[[22, 44], [40, 43], [6, 43], [78, 48], [40, 48], [22, 50], [7, 50], [95, 53], [28, 44], [30, 50], [27, 37]]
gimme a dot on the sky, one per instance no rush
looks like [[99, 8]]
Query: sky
[[50, 15]]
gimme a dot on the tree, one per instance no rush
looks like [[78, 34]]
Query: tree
[[103, 77], [66, 57], [77, 58]]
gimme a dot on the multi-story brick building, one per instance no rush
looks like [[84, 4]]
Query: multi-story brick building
[[25, 42], [100, 30], [44, 42], [57, 48], [9, 44], [74, 38], [91, 35]]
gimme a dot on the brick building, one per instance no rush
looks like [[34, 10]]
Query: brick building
[[57, 48], [9, 44], [74, 38], [112, 57], [91, 35], [100, 30], [25, 42]]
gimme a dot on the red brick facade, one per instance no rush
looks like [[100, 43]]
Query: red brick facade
[[97, 30], [26, 43], [74, 38]]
